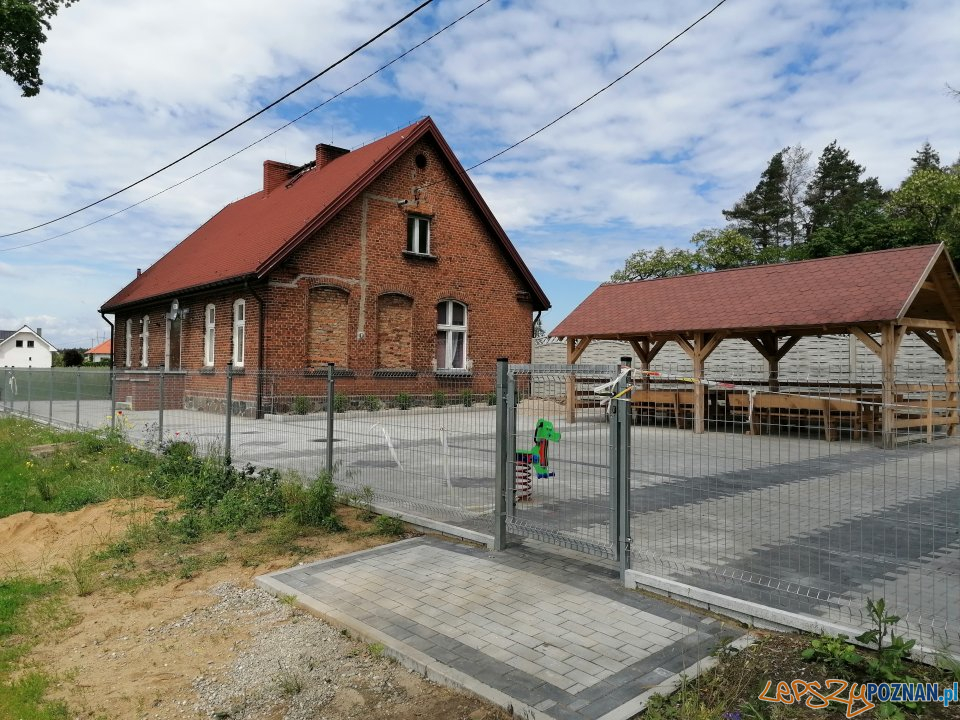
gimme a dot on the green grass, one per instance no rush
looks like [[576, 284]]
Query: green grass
[[100, 466], [23, 697]]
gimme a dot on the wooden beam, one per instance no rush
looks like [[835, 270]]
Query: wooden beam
[[944, 297], [929, 340], [760, 347], [575, 349], [927, 285], [925, 323], [788, 345], [712, 344], [685, 346], [899, 333], [872, 345], [948, 342], [888, 355]]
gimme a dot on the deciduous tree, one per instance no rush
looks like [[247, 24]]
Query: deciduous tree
[[22, 31]]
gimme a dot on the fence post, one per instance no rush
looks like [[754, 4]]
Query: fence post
[[229, 409], [76, 419], [623, 460], [160, 411], [511, 471], [30, 392], [331, 388], [500, 492], [50, 397], [113, 399]]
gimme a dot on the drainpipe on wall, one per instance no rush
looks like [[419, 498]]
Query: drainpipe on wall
[[111, 339], [260, 370]]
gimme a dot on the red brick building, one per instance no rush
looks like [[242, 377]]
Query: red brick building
[[384, 260]]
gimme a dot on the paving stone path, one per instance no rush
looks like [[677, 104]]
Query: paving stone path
[[549, 636]]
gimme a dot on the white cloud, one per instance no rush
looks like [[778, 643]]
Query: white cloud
[[130, 86]]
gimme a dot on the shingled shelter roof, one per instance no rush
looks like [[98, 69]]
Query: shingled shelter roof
[[249, 237], [823, 295]]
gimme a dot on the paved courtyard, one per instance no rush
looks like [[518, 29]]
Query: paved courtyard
[[549, 636]]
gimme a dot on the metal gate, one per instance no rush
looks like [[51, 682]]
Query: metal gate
[[563, 459]]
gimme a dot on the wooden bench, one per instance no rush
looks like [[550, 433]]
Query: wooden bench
[[830, 411], [679, 403]]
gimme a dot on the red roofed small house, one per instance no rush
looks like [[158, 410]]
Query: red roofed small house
[[384, 260]]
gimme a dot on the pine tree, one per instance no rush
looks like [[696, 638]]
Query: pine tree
[[926, 159], [763, 214]]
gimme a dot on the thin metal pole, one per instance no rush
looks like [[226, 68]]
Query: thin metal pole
[[623, 445], [30, 393], [331, 388], [160, 415], [511, 448], [229, 410], [500, 492], [113, 398], [76, 419], [50, 396]]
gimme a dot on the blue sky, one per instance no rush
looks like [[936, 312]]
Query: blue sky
[[130, 86]]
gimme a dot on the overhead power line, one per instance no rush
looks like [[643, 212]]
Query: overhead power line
[[232, 155], [243, 122]]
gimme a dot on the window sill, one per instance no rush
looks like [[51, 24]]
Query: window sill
[[453, 373], [420, 256], [394, 373], [208, 370], [237, 371]]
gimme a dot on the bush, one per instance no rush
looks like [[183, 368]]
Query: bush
[[439, 399], [466, 398], [386, 525], [300, 406], [403, 401], [491, 398], [341, 403], [371, 403], [314, 506]]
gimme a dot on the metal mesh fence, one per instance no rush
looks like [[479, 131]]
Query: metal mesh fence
[[809, 493]]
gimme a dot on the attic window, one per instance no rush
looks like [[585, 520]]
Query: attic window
[[420, 161], [418, 235], [29, 343], [19, 343]]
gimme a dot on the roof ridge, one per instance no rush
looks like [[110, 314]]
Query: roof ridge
[[791, 263]]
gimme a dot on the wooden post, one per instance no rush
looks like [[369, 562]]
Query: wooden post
[[574, 351], [699, 394], [890, 336], [948, 341], [930, 416]]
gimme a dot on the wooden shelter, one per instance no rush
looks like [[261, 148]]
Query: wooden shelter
[[877, 297]]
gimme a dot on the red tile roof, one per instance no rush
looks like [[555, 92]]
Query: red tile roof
[[249, 237], [101, 349], [834, 291]]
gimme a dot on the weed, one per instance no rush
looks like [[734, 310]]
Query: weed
[[466, 398], [290, 682], [45, 488], [371, 403], [300, 406], [491, 398], [341, 403], [439, 399], [313, 506], [834, 652], [365, 501], [391, 526], [82, 570], [403, 401], [376, 649]]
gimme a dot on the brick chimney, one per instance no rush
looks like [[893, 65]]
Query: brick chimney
[[328, 153], [275, 174]]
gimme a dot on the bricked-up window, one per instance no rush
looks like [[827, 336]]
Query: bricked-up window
[[209, 335], [451, 335], [327, 326], [418, 234], [394, 332], [239, 331], [128, 341], [145, 341]]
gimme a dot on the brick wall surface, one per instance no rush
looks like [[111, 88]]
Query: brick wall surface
[[353, 295]]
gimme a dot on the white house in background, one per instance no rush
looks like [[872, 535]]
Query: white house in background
[[25, 348]]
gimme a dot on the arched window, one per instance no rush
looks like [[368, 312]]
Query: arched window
[[239, 331], [209, 334], [128, 342], [145, 341], [451, 346]]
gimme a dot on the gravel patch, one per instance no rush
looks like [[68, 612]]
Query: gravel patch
[[293, 666]]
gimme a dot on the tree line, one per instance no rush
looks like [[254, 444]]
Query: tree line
[[798, 212]]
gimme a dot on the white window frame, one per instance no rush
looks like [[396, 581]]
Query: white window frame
[[239, 331], [450, 330], [145, 341], [129, 341], [209, 335], [414, 225]]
